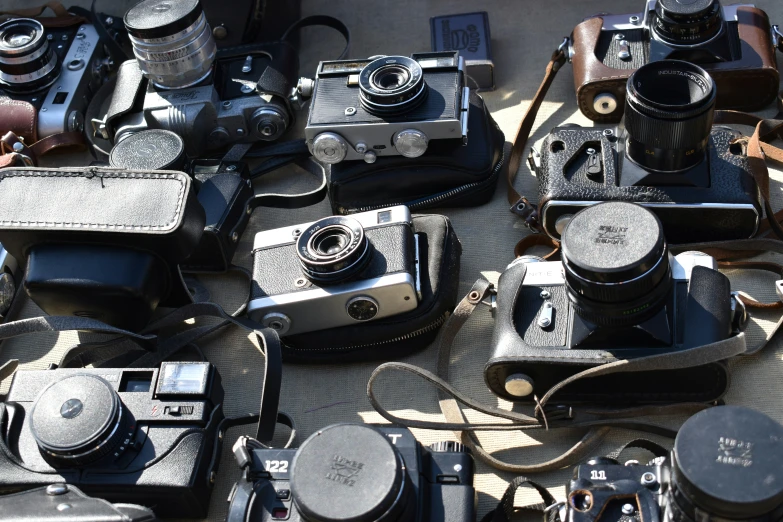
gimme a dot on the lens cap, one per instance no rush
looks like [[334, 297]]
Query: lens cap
[[161, 18], [153, 149], [348, 473], [76, 418], [728, 461]]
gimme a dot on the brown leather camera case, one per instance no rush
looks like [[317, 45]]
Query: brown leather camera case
[[747, 84]]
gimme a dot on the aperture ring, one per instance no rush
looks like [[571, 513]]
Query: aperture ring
[[18, 60]]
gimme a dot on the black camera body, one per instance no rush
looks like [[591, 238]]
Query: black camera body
[[142, 436], [667, 156], [725, 465], [356, 472], [337, 271], [386, 106], [617, 294]]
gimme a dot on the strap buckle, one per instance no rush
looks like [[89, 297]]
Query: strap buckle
[[566, 49], [528, 212], [777, 38]]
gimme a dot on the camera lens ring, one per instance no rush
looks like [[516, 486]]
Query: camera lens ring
[[333, 249], [29, 64], [687, 24], [392, 85], [669, 111]]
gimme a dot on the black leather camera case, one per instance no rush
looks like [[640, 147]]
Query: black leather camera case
[[100, 243], [447, 175]]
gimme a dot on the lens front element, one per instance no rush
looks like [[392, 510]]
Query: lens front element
[[27, 62], [333, 249], [392, 85]]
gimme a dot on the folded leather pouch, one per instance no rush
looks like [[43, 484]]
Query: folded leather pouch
[[447, 175], [402, 334], [551, 410], [100, 243]]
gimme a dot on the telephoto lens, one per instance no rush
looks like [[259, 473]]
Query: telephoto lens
[[172, 42], [392, 85], [669, 110], [616, 264], [727, 464], [27, 61], [687, 23], [333, 249]]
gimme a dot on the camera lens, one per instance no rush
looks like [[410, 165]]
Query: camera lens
[[669, 111], [727, 464], [392, 85], [172, 42], [616, 264], [687, 22], [27, 61], [333, 249], [350, 473], [78, 419]]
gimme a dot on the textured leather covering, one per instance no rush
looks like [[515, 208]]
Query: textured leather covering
[[746, 84], [19, 117], [153, 211]]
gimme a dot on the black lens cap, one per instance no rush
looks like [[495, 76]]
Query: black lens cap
[[161, 18], [728, 461], [348, 473], [153, 149]]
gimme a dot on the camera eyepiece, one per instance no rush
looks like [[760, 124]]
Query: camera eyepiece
[[172, 42], [392, 85], [687, 22], [669, 110], [333, 249], [616, 264], [27, 61]]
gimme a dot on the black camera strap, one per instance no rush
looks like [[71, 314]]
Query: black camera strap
[[596, 419]]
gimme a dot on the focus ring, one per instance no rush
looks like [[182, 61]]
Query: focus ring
[[668, 134]]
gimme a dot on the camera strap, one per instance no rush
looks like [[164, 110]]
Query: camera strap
[[598, 420], [14, 151], [61, 18]]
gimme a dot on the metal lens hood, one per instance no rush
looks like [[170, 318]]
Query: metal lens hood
[[27, 61], [392, 85], [669, 110], [333, 249]]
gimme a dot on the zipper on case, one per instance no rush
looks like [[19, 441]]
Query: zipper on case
[[413, 205], [425, 329]]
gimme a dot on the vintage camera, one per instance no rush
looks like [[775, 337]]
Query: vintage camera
[[65, 502], [56, 70], [668, 157], [385, 106], [142, 436], [725, 465], [354, 472], [337, 271], [732, 43], [617, 293], [179, 82]]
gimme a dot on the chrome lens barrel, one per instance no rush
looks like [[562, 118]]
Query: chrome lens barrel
[[27, 61], [170, 55]]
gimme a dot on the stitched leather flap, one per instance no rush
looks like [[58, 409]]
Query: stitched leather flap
[[153, 211]]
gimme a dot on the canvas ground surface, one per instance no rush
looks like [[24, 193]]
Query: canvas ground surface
[[524, 34]]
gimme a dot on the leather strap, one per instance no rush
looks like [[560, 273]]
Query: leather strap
[[291, 201], [61, 18], [324, 20], [505, 511], [12, 145], [537, 240]]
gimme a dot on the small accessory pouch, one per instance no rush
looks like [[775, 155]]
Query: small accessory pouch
[[447, 175], [399, 335], [100, 243]]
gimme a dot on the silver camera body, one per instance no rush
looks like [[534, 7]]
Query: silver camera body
[[368, 270], [385, 106]]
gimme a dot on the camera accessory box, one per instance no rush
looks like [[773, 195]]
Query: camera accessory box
[[449, 174], [100, 243], [393, 336]]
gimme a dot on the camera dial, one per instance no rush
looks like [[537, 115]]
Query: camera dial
[[27, 61], [687, 22], [392, 85], [669, 109], [333, 249], [172, 42], [616, 264], [77, 420], [350, 473]]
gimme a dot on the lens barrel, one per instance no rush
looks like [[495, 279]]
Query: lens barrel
[[172, 42], [392, 85], [616, 264], [333, 250], [687, 22], [27, 61], [669, 110]]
